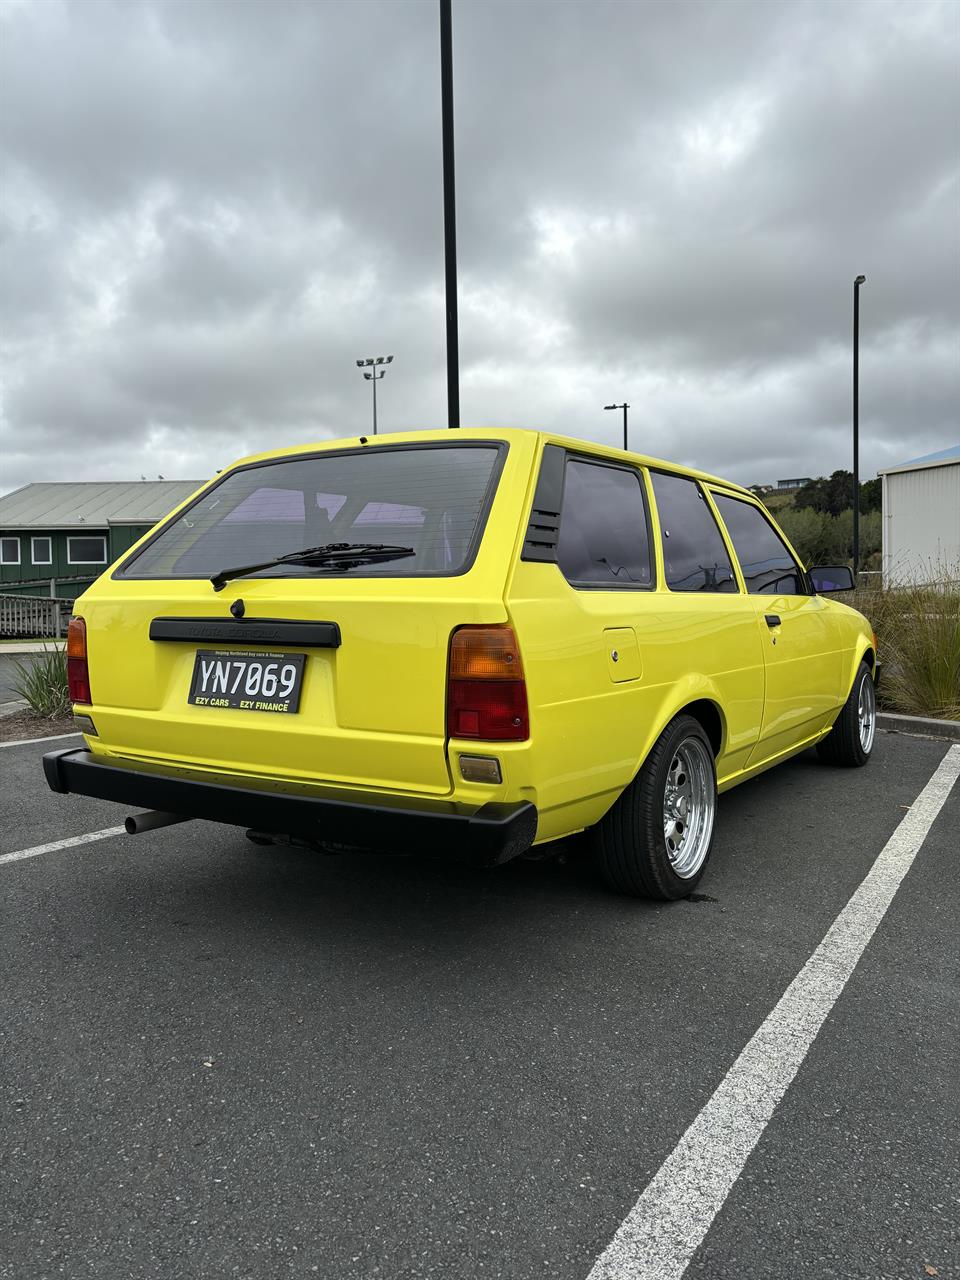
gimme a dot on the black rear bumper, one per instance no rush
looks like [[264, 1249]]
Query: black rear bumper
[[492, 834]]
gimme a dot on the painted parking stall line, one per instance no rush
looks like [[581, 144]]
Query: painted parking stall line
[[26, 742], [54, 845], [666, 1226]]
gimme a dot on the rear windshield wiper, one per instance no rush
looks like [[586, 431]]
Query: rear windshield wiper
[[336, 555]]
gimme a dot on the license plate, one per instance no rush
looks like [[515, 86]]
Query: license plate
[[253, 681]]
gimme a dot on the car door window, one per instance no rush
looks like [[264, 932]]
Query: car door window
[[768, 567], [604, 532], [694, 555]]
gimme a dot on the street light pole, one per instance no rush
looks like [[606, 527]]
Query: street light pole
[[374, 374], [624, 407], [856, 423], [449, 214]]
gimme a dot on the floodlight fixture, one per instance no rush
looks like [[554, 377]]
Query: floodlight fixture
[[373, 374]]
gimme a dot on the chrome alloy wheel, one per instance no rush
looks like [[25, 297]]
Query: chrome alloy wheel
[[867, 714], [689, 801]]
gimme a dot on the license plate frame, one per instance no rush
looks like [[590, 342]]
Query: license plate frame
[[221, 680]]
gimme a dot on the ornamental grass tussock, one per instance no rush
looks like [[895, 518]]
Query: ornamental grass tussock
[[41, 680], [918, 634]]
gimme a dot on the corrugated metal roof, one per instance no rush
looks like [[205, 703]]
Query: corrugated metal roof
[[92, 504], [951, 453]]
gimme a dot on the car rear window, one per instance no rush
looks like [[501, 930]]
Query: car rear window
[[431, 498]]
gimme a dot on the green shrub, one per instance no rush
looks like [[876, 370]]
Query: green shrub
[[820, 538], [42, 682], [918, 642]]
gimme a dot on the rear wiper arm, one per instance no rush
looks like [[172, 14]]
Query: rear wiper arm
[[338, 555]]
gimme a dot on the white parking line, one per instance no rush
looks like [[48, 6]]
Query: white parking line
[[54, 845], [22, 742], [665, 1227]]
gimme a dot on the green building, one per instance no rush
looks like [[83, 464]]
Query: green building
[[55, 539]]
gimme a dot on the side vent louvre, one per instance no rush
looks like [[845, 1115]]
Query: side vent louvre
[[543, 529]]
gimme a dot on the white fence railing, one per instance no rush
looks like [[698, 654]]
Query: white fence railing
[[28, 617]]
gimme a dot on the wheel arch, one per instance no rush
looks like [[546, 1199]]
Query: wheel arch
[[693, 697], [863, 651]]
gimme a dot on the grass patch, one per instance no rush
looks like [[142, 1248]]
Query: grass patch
[[918, 638], [42, 682]]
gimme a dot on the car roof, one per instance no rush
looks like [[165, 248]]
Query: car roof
[[506, 434]]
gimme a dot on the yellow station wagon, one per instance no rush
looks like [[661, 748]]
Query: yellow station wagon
[[463, 643]]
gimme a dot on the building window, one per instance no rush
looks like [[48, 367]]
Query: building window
[[41, 551], [9, 550], [86, 551]]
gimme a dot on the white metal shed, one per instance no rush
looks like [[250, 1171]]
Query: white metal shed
[[921, 518]]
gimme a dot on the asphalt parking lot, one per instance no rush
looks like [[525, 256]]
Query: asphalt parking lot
[[8, 674], [224, 1060]]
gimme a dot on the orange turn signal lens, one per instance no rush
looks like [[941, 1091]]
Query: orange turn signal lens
[[485, 653], [76, 638]]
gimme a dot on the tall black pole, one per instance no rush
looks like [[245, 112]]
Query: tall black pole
[[449, 215], [856, 423], [374, 400], [625, 408]]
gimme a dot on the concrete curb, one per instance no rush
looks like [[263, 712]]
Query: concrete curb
[[11, 708], [31, 646], [949, 729]]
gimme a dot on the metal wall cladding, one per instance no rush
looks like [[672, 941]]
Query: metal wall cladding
[[921, 524]]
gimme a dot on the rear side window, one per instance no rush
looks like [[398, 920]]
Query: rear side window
[[694, 554], [433, 499], [768, 567], [604, 535]]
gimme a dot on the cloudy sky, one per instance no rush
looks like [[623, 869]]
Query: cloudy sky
[[210, 208]]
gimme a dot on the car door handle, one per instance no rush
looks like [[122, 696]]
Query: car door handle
[[772, 619]]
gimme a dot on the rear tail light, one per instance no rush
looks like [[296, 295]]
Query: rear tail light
[[486, 691], [78, 677]]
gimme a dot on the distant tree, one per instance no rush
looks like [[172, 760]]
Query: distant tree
[[812, 496], [833, 495], [839, 492], [871, 495]]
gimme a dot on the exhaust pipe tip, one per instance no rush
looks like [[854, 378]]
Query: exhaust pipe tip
[[137, 823]]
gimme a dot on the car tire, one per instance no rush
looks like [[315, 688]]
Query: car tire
[[850, 742], [656, 839]]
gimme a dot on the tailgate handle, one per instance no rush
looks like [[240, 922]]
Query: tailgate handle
[[247, 631], [772, 619]]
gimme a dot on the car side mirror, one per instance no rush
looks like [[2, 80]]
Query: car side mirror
[[829, 578]]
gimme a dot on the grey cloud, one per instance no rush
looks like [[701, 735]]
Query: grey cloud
[[211, 210]]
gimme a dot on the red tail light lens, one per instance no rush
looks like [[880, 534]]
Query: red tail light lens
[[486, 690], [78, 677]]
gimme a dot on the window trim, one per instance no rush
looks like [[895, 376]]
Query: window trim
[[48, 539], [764, 515], [11, 537], [575, 455], [502, 448], [705, 494], [76, 537]]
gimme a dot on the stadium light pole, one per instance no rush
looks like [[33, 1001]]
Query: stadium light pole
[[449, 214], [624, 407], [856, 424], [373, 374]]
